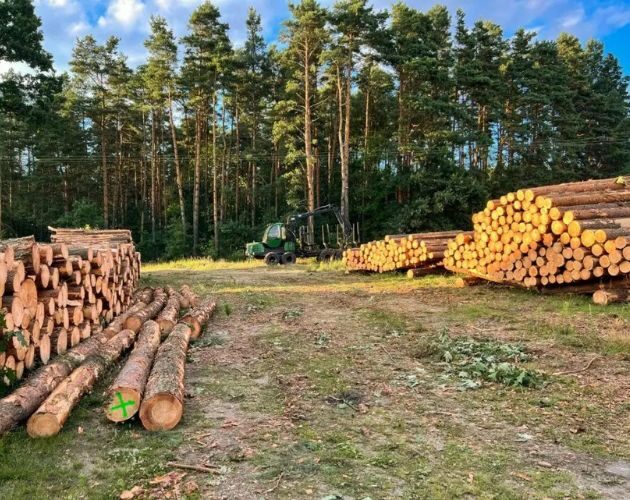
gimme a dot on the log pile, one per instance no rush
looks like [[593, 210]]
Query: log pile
[[56, 295], [400, 252], [23, 401], [573, 233]]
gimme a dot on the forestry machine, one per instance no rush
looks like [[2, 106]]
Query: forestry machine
[[283, 243]]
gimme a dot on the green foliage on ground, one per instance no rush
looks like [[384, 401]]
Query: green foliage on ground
[[474, 361]]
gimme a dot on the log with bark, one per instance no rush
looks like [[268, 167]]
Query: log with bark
[[134, 321], [163, 404], [50, 417], [125, 393], [23, 401]]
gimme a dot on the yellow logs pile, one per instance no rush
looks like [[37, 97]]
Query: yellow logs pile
[[553, 235], [399, 252]]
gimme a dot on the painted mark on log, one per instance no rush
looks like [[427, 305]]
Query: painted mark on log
[[122, 405]]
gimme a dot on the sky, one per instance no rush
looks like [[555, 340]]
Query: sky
[[65, 20]]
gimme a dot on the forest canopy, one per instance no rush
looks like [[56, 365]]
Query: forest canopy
[[408, 120]]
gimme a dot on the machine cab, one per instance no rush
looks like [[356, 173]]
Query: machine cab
[[275, 235]]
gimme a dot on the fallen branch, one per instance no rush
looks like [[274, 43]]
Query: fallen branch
[[278, 481], [197, 468], [571, 372]]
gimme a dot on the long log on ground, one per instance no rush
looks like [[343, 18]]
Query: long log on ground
[[199, 316], [21, 403], [134, 321], [163, 403], [191, 299], [167, 318], [610, 296], [49, 418], [424, 271], [125, 393]]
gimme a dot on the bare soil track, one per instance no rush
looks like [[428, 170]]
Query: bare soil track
[[319, 384]]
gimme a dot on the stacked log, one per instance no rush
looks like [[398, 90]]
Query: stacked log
[[163, 404], [54, 295], [562, 234], [399, 252]]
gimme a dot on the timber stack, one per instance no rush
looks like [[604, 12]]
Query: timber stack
[[56, 295], [400, 252], [575, 234]]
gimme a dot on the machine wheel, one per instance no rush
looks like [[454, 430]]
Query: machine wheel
[[324, 256], [289, 258], [272, 259], [336, 255]]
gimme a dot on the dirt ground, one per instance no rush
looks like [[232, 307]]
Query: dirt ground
[[318, 384]]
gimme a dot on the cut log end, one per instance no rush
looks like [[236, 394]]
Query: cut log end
[[122, 404], [161, 413], [43, 425]]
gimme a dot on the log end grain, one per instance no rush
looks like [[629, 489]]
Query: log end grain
[[162, 412], [43, 425]]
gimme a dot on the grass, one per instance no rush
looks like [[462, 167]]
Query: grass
[[201, 264], [311, 383]]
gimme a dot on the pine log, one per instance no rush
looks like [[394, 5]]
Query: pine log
[[14, 305], [135, 320], [15, 276], [59, 340], [22, 402], [611, 296], [54, 411], [129, 385], [191, 299], [163, 403], [169, 315], [198, 317]]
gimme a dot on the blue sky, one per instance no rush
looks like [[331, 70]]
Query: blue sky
[[65, 20]]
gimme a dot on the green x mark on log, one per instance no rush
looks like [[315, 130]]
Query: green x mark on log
[[122, 405]]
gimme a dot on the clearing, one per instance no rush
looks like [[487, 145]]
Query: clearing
[[315, 384]]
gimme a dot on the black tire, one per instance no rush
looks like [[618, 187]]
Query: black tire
[[289, 258], [272, 259], [324, 256]]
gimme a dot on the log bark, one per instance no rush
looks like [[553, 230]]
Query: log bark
[[129, 385], [167, 318], [163, 403], [21, 403], [605, 297], [135, 320], [198, 317], [191, 299], [50, 417]]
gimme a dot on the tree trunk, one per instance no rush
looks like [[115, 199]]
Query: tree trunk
[[178, 169], [125, 393], [197, 179], [308, 141], [215, 185]]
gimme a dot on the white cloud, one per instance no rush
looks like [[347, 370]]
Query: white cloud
[[79, 28], [58, 3], [572, 19], [125, 12]]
